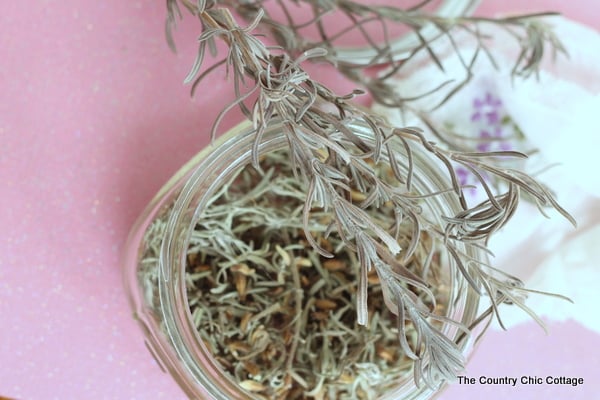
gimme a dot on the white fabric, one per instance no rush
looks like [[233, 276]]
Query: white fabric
[[559, 115]]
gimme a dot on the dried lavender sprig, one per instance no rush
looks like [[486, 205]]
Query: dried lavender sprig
[[316, 121], [361, 18], [531, 34]]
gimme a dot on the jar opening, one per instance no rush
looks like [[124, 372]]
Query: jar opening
[[191, 352]]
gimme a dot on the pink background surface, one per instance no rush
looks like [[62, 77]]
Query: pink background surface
[[93, 120]]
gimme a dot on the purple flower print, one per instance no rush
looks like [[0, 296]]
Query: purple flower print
[[485, 145], [493, 129], [466, 178], [493, 141], [487, 118], [462, 175], [487, 110]]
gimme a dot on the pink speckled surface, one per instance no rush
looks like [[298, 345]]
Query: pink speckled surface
[[93, 120]]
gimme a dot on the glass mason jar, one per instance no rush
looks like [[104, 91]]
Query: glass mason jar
[[156, 285]]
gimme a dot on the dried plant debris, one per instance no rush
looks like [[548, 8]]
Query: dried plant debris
[[281, 318]]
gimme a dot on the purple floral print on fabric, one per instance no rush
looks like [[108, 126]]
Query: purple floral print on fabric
[[488, 119], [487, 109]]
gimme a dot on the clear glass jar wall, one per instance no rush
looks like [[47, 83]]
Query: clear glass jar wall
[[155, 264]]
